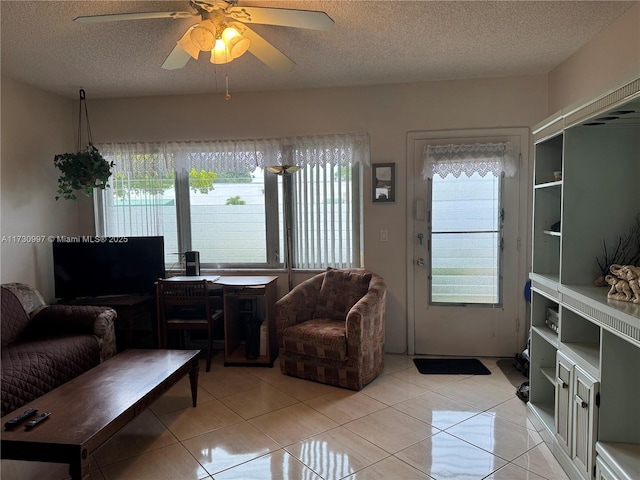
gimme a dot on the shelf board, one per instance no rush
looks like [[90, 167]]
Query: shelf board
[[545, 284], [549, 373], [547, 334], [544, 413], [621, 457], [621, 318], [552, 233], [584, 352], [557, 183]]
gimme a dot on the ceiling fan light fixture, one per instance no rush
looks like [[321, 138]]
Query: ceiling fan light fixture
[[188, 46], [203, 35], [220, 53], [235, 42]]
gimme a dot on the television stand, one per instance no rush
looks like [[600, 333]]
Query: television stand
[[135, 325]]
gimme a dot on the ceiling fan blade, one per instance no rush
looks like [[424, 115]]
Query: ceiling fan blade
[[178, 58], [264, 51], [132, 16], [282, 16]]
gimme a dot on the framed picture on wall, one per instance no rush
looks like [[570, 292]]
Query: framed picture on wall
[[383, 182]]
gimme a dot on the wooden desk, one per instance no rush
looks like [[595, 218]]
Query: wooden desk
[[184, 278], [91, 408], [246, 298]]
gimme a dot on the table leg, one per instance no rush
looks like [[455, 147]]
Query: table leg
[[193, 379], [79, 468]]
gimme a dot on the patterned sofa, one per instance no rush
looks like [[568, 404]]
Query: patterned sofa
[[331, 328], [44, 346]]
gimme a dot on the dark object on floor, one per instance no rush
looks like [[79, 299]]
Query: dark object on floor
[[521, 362], [523, 392], [508, 369], [451, 366]]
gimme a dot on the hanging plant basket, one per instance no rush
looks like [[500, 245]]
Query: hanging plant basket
[[84, 170]]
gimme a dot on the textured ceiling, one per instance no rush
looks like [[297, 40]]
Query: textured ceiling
[[373, 42]]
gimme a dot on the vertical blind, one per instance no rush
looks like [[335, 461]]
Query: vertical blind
[[324, 211]]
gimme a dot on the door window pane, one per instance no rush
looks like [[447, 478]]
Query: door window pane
[[465, 240]]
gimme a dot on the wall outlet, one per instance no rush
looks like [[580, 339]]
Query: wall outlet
[[384, 235]]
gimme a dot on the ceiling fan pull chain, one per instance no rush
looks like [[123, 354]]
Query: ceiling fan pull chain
[[226, 79]]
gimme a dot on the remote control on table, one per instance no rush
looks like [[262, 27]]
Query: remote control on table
[[20, 418], [40, 418]]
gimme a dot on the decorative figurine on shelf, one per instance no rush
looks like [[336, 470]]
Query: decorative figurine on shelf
[[626, 252], [625, 283]]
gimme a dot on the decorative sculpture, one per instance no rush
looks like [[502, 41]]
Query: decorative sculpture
[[625, 283]]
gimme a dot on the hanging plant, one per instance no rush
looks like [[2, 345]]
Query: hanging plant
[[84, 170]]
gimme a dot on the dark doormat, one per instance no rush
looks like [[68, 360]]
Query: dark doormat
[[451, 366]]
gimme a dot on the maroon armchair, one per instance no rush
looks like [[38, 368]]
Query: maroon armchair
[[331, 328]]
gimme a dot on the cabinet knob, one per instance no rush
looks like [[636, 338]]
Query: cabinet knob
[[561, 382]]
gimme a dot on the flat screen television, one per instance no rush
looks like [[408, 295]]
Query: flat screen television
[[101, 266]]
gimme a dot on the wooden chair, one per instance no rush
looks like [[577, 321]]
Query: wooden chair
[[185, 305]]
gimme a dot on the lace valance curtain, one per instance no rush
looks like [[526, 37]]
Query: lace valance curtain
[[481, 158], [241, 155]]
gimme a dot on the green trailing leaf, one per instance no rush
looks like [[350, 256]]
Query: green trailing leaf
[[84, 171]]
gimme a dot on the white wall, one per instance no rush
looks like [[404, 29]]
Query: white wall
[[387, 113], [613, 54], [35, 126]]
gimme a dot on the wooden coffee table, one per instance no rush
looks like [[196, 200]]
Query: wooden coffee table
[[91, 408]]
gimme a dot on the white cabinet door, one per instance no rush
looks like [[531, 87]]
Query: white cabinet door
[[584, 420], [564, 401]]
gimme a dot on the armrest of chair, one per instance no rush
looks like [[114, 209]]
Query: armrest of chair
[[366, 319], [77, 319], [298, 305]]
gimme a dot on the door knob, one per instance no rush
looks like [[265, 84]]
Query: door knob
[[420, 262]]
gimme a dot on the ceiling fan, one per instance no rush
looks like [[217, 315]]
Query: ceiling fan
[[222, 30]]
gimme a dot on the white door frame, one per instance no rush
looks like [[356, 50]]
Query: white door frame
[[524, 258]]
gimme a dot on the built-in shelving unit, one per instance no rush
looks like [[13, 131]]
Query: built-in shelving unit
[[585, 348]]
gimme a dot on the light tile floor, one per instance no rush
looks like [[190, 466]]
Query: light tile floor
[[255, 423]]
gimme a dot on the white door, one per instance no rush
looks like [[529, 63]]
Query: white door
[[461, 328]]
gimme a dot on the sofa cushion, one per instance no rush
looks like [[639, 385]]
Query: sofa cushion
[[14, 320], [31, 369], [28, 296], [320, 337], [339, 292]]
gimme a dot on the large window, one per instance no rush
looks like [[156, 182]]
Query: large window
[[218, 198], [466, 222]]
